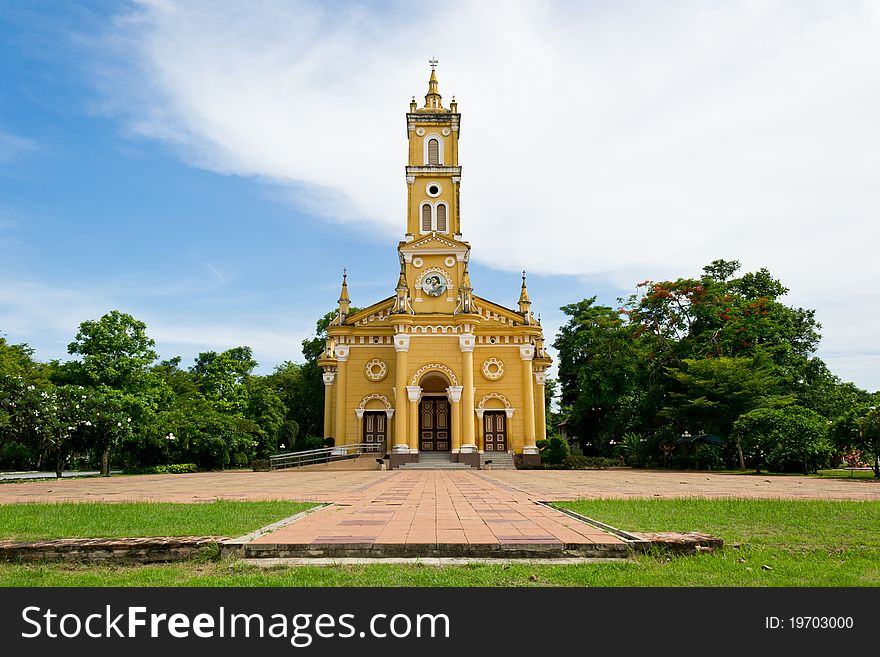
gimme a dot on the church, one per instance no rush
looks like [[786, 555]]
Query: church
[[435, 368]]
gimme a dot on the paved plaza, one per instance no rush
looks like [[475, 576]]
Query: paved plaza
[[435, 512], [332, 486]]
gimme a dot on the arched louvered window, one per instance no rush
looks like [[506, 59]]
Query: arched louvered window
[[441, 218], [433, 151], [426, 218]]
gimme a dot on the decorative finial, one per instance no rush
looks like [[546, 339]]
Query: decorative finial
[[343, 296], [524, 301], [433, 62]]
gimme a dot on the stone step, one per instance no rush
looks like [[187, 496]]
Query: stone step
[[500, 461], [434, 466]]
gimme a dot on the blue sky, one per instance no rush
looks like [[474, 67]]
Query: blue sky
[[207, 169]]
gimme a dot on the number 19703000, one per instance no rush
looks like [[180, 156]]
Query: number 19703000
[[820, 622]]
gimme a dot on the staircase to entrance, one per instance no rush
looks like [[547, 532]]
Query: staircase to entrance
[[435, 461], [499, 461]]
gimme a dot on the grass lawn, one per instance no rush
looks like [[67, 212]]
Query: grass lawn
[[25, 522], [841, 473], [781, 543]]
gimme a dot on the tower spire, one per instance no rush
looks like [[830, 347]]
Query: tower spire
[[402, 302], [344, 301], [524, 301], [433, 98]]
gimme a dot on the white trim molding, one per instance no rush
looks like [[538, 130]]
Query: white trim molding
[[454, 393], [375, 369], [382, 398], [414, 393], [526, 352], [434, 367]]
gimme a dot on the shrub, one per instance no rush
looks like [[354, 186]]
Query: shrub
[[261, 465], [787, 439], [578, 462], [631, 449], [174, 468], [553, 451]]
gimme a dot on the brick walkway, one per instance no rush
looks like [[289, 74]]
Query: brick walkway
[[441, 510]]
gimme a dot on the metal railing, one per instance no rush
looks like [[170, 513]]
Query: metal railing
[[324, 455]]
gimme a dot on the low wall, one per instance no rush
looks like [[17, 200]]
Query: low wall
[[106, 550]]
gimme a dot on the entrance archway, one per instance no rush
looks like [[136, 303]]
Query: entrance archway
[[435, 414]]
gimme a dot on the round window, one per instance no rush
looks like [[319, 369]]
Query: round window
[[434, 189]]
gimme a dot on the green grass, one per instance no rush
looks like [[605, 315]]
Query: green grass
[[25, 522], [793, 524], [769, 543], [845, 474]]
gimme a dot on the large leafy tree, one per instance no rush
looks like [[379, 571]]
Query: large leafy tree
[[115, 351], [222, 377], [787, 439], [600, 372], [692, 354], [859, 429], [709, 394], [718, 315], [115, 358]]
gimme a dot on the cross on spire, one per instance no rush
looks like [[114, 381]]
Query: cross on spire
[[433, 62]]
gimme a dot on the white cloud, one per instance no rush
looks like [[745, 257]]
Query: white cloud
[[629, 139], [11, 146], [54, 313]]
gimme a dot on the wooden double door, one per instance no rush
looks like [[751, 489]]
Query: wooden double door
[[375, 430], [434, 425], [494, 431]]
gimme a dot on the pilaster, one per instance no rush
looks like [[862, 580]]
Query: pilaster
[[526, 354], [466, 342], [342, 353]]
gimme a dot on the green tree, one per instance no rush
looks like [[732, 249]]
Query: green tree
[[601, 372], [787, 439], [115, 352], [222, 377], [859, 429], [711, 393], [116, 355], [266, 410]]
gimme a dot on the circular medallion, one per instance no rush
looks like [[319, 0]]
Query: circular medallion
[[433, 189], [417, 262], [434, 285], [420, 132], [445, 132], [376, 370], [450, 261], [493, 369]]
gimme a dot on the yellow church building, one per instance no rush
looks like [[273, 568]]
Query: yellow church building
[[434, 368]]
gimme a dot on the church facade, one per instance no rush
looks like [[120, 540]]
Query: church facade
[[434, 367]]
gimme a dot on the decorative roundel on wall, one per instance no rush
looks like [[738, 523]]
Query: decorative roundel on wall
[[433, 189], [420, 132], [417, 262], [376, 370], [445, 132], [493, 369], [450, 261]]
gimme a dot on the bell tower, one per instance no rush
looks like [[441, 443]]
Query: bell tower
[[433, 174]]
